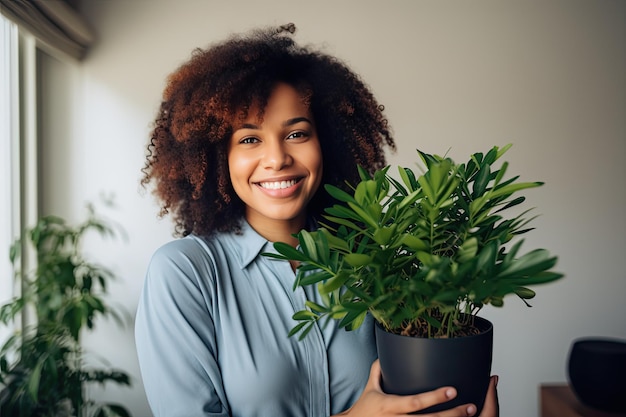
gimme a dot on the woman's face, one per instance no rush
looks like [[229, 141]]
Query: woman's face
[[275, 164]]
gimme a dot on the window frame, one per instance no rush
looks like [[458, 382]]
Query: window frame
[[19, 149]]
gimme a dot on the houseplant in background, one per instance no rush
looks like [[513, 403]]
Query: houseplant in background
[[42, 368], [422, 254]]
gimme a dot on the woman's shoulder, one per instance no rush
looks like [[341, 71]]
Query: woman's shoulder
[[184, 245], [218, 251], [191, 249]]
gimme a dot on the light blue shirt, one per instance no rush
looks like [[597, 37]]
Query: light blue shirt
[[211, 333]]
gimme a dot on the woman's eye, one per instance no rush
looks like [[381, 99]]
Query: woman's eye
[[297, 135], [248, 140]]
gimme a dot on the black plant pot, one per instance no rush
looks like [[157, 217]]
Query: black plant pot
[[412, 365], [597, 373]]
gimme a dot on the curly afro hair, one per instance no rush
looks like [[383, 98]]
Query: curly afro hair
[[186, 162]]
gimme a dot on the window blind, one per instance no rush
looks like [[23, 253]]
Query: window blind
[[53, 22]]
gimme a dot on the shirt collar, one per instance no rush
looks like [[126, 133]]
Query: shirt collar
[[251, 244]]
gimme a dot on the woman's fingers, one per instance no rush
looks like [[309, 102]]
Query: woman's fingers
[[491, 407], [402, 405], [375, 377], [422, 401]]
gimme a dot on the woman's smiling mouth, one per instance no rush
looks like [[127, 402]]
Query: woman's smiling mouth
[[278, 185]]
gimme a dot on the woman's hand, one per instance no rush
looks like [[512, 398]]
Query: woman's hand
[[374, 402]]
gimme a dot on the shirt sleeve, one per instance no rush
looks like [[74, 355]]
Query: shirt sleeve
[[175, 334]]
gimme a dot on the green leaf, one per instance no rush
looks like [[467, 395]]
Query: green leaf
[[529, 264], [339, 194], [512, 188], [304, 315], [414, 243], [334, 283], [385, 234], [491, 156], [15, 250], [543, 277], [357, 259], [313, 278], [350, 225], [342, 212], [512, 203], [500, 173], [427, 189], [496, 301], [315, 307], [353, 320], [289, 252], [309, 326], [274, 255], [481, 181], [34, 378], [467, 250], [408, 178], [364, 215], [358, 321], [308, 245], [487, 258], [321, 246], [363, 174], [364, 190], [525, 293], [502, 150], [297, 328], [409, 199], [334, 242]]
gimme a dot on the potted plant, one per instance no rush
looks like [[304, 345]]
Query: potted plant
[[42, 372], [422, 254]]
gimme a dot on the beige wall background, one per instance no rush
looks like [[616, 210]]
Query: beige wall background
[[546, 75]]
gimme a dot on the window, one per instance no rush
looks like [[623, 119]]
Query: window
[[9, 155], [49, 26], [18, 148]]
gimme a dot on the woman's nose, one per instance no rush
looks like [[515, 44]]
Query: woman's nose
[[277, 156]]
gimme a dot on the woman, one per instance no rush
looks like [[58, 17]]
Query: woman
[[247, 131]]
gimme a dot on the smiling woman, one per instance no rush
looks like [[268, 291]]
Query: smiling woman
[[227, 87], [248, 131]]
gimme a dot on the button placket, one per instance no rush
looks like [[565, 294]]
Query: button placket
[[315, 351]]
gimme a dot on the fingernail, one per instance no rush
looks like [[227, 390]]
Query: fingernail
[[496, 381], [450, 393], [471, 410]]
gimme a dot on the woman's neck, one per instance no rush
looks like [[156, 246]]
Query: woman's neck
[[278, 230]]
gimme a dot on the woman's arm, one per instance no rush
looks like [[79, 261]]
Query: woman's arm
[[175, 338]]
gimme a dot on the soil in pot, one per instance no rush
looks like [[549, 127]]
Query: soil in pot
[[412, 365]]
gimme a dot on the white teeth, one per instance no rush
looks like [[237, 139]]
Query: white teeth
[[277, 185]]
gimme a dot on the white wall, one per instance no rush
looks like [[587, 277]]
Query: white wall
[[549, 76]]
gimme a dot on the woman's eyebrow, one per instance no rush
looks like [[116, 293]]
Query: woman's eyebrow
[[295, 120], [286, 123]]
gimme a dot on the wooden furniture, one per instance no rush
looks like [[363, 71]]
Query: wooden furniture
[[558, 400]]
